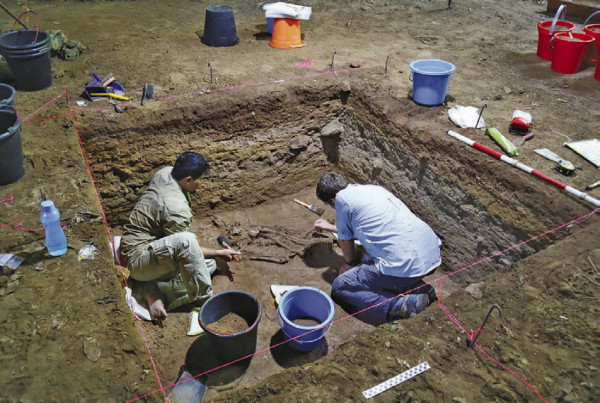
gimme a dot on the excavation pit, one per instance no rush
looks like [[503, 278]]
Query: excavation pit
[[266, 152]]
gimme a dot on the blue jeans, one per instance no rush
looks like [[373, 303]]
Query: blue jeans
[[364, 286]]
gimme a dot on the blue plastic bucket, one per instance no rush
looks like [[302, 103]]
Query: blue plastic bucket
[[430, 80], [305, 303], [269, 25]]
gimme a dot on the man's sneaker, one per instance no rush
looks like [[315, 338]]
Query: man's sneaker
[[408, 306]]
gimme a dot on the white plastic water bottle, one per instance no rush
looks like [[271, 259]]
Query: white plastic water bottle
[[56, 242]]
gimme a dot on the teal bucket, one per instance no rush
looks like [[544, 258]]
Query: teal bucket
[[305, 303], [430, 81]]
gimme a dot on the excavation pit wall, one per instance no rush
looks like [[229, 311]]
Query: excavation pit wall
[[265, 152]]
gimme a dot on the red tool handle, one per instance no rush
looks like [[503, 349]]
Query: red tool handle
[[225, 243]]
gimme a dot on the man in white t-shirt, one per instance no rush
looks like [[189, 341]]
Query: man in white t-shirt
[[401, 249]]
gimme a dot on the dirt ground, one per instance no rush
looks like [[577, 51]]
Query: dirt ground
[[271, 121]]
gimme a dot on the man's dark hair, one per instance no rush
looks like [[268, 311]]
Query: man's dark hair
[[189, 164], [329, 185]]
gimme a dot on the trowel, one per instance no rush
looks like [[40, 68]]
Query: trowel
[[565, 167]]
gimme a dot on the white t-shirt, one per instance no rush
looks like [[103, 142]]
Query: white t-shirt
[[401, 244]]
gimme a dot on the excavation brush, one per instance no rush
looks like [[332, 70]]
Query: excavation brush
[[314, 209]]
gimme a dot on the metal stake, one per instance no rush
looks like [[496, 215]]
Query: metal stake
[[386, 64], [449, 4], [333, 61], [480, 113], [210, 68], [15, 18], [471, 343]]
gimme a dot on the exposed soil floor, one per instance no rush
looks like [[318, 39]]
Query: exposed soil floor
[[270, 122]]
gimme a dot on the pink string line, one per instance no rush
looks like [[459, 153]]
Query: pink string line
[[471, 335], [203, 92], [73, 113], [7, 200], [439, 280], [44, 106], [440, 304], [87, 163]]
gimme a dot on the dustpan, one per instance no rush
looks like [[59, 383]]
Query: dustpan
[[95, 86]]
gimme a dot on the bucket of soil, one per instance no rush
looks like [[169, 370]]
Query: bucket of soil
[[230, 320], [304, 315], [570, 49], [546, 29], [593, 30]]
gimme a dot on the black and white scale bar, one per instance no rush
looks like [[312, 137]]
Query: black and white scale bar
[[406, 375]]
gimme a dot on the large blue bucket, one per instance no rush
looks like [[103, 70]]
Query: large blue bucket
[[430, 81], [305, 303]]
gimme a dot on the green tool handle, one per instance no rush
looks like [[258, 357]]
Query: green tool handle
[[502, 141]]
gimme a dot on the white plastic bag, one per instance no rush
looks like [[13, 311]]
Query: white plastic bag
[[465, 116], [286, 10]]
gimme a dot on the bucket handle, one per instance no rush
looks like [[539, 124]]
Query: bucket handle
[[14, 128], [560, 14], [295, 338], [590, 17]]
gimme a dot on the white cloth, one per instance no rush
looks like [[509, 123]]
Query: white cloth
[[135, 307], [286, 10]]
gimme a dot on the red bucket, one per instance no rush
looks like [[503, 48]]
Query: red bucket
[[547, 28], [570, 49], [597, 73], [593, 30]]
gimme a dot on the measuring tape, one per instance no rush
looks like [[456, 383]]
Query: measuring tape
[[565, 167]]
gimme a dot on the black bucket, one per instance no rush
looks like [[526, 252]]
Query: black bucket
[[27, 53], [231, 347], [219, 27], [7, 95], [12, 165]]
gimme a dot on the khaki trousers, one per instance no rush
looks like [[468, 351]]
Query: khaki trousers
[[177, 264]]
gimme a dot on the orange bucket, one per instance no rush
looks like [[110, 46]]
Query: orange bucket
[[547, 29], [286, 34]]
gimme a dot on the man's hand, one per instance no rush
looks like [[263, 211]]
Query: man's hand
[[157, 310], [228, 254], [323, 225]]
